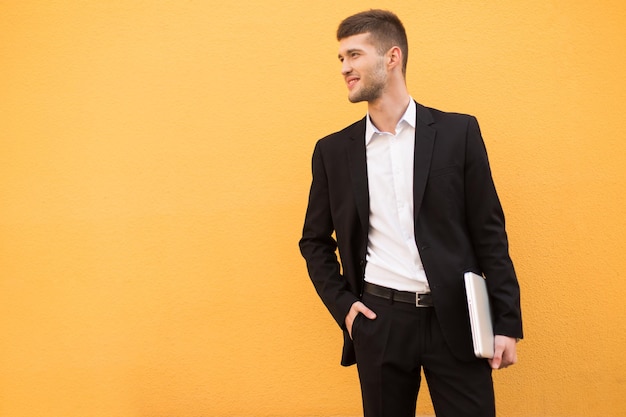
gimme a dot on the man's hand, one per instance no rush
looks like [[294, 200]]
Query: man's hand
[[504, 354], [357, 307]]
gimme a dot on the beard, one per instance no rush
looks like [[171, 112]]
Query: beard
[[372, 85]]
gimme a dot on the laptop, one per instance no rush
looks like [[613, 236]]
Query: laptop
[[480, 315]]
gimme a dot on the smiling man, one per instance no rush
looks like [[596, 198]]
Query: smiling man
[[407, 197]]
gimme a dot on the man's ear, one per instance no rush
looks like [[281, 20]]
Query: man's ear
[[394, 57]]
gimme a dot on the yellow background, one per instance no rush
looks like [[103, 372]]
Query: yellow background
[[154, 171]]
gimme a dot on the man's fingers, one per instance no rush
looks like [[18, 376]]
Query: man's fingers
[[363, 309], [496, 361], [357, 307], [505, 353]]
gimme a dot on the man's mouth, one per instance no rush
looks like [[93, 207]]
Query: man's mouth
[[351, 82]]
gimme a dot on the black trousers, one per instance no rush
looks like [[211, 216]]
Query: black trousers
[[391, 351]]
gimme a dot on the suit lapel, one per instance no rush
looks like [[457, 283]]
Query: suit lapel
[[424, 145], [357, 161]]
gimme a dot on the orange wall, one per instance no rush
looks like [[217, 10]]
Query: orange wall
[[154, 170]]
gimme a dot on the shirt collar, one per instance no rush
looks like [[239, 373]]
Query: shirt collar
[[409, 117]]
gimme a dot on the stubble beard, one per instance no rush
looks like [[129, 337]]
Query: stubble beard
[[373, 85]]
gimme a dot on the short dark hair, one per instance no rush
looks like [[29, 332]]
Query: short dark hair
[[384, 27]]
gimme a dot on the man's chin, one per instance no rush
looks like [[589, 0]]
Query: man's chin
[[356, 99], [364, 95]]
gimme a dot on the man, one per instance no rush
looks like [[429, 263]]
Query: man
[[407, 197]]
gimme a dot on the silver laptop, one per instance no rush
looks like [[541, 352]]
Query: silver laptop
[[480, 315]]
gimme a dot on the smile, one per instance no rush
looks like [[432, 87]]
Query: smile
[[351, 82]]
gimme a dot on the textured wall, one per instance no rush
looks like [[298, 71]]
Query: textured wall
[[154, 170]]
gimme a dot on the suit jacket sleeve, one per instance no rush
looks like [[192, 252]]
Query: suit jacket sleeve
[[485, 220], [318, 246]]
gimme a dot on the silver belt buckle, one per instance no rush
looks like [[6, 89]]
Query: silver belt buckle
[[417, 299]]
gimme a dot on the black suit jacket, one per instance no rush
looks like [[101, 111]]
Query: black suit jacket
[[459, 225]]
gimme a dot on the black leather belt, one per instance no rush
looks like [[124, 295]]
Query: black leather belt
[[417, 299]]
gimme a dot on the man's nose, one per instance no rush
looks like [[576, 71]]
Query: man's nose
[[345, 68]]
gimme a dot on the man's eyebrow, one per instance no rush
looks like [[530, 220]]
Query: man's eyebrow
[[349, 51]]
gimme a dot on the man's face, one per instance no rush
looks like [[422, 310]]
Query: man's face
[[362, 67]]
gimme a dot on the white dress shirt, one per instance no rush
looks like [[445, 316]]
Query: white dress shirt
[[393, 260]]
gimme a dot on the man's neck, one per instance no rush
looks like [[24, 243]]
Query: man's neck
[[386, 111]]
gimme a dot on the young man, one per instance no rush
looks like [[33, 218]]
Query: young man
[[408, 194]]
